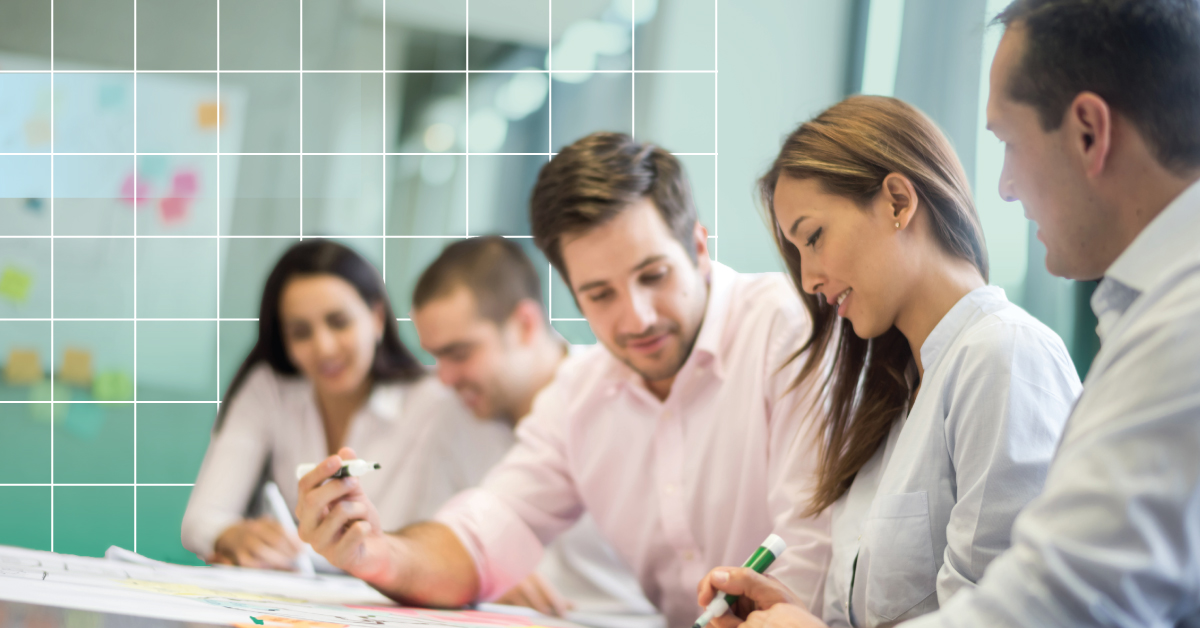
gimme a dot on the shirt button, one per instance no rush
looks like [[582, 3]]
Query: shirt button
[[666, 415], [668, 488], [688, 555]]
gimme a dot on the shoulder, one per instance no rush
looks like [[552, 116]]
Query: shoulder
[[1008, 343], [265, 384]]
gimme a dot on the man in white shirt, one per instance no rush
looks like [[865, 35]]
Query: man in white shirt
[[478, 310], [1098, 103], [681, 434]]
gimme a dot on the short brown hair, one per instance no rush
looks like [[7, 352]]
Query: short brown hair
[[596, 178], [1141, 56], [494, 269]]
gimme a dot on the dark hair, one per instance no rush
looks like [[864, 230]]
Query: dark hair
[[393, 361], [850, 148], [1141, 56], [596, 178], [495, 270]]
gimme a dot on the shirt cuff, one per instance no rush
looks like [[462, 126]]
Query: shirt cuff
[[200, 537], [503, 547]]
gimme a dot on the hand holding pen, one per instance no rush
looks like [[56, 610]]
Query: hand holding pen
[[338, 520]]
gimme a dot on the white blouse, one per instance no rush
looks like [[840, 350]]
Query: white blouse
[[928, 513], [429, 446]]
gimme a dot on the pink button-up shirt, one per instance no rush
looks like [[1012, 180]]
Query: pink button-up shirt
[[679, 486]]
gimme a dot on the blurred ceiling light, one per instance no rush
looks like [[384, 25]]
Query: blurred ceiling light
[[439, 137], [522, 95], [580, 44], [637, 11], [437, 169], [487, 131]]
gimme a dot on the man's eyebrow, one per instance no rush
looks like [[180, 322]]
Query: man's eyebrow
[[648, 261], [602, 282], [796, 225], [454, 346]]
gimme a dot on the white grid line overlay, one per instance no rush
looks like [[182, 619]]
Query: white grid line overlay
[[219, 238], [52, 347], [136, 199]]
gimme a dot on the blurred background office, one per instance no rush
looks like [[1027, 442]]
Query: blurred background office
[[156, 156]]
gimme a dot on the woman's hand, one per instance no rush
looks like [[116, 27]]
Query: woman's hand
[[755, 592], [258, 543], [537, 593], [783, 616]]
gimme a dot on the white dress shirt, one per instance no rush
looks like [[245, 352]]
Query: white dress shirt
[[678, 486], [935, 504], [1114, 539], [429, 447]]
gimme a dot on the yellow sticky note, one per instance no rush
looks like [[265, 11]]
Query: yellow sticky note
[[15, 284], [23, 367], [76, 367], [210, 115]]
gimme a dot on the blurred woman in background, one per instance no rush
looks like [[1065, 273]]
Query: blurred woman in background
[[329, 370]]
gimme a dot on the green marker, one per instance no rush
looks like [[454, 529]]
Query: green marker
[[759, 561]]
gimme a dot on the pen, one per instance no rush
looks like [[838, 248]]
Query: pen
[[350, 468], [758, 561], [279, 508]]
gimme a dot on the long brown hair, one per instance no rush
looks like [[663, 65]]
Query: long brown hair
[[850, 148]]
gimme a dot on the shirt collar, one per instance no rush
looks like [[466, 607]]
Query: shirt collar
[[384, 402], [707, 350], [984, 299], [1168, 240]]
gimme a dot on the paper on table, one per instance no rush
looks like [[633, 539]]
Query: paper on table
[[223, 595]]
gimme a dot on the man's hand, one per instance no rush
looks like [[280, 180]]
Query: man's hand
[[537, 593], [341, 524], [258, 543], [755, 592]]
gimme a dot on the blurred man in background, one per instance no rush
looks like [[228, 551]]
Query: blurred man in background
[[478, 310]]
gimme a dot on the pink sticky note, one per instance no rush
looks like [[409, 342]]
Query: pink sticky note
[[184, 184], [173, 209], [127, 190]]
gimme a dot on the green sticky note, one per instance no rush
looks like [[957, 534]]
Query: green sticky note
[[15, 284], [112, 386], [256, 620]]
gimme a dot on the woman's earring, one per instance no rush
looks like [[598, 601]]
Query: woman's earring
[[897, 225]]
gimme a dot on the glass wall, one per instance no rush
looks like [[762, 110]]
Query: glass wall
[[156, 157]]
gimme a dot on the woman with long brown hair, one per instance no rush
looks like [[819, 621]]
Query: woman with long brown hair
[[943, 401]]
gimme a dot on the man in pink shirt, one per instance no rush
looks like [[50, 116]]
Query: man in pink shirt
[[680, 434]]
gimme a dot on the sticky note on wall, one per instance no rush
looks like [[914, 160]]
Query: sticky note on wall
[[76, 367], [23, 367], [112, 386], [210, 115], [15, 284]]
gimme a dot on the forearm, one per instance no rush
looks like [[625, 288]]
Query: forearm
[[427, 566]]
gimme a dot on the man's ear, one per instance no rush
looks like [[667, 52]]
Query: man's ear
[[527, 321], [900, 199], [700, 241], [1089, 127]]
